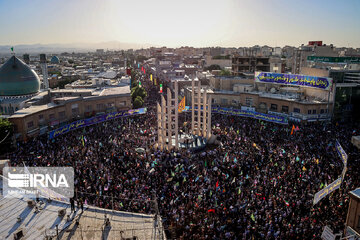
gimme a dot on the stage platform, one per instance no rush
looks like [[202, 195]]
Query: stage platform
[[191, 142]]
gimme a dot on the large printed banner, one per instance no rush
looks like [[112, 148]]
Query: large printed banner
[[342, 153], [94, 120], [294, 79], [334, 59], [329, 189], [245, 113]]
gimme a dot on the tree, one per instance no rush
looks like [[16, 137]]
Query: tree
[[138, 102], [138, 92], [6, 131], [225, 72]]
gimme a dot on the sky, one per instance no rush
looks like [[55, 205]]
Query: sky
[[197, 23]]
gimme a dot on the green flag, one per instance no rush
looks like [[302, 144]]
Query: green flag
[[12, 49], [252, 217]]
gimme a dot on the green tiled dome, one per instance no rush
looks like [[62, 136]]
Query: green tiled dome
[[55, 60], [16, 78]]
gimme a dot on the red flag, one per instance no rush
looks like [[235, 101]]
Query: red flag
[[292, 130], [217, 184], [211, 210], [297, 128]]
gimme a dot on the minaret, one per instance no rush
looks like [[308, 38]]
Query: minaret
[[44, 71]]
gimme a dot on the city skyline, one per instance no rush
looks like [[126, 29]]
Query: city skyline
[[189, 23]]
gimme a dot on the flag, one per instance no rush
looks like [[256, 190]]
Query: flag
[[82, 140], [211, 210], [286, 203], [225, 157], [252, 217], [297, 128], [150, 77], [217, 184], [292, 129], [181, 105], [12, 49]]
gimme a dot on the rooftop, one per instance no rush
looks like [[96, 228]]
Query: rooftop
[[37, 225]]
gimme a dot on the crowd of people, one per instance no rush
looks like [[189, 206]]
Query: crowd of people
[[258, 184]]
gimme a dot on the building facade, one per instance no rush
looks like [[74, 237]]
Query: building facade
[[249, 64], [66, 106]]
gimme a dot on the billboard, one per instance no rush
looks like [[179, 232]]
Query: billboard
[[313, 43], [94, 120], [334, 59], [323, 83]]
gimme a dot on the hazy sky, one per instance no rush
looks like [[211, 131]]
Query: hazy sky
[[197, 23]]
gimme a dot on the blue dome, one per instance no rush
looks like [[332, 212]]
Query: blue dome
[[55, 60], [17, 78]]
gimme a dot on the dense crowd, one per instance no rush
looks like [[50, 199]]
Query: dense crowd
[[258, 184]]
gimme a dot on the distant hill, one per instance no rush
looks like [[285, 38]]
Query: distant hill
[[71, 47]]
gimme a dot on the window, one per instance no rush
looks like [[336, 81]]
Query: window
[[309, 111], [314, 111], [52, 116], [297, 110], [273, 107], [285, 109], [88, 108], [358, 225], [249, 101], [62, 114], [111, 104], [41, 117], [235, 102], [224, 101], [122, 103], [30, 124], [322, 111], [100, 106]]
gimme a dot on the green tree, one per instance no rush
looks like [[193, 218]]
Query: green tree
[[6, 131], [138, 102], [225, 72], [138, 92]]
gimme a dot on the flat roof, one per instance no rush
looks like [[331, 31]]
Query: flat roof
[[91, 221], [30, 110], [111, 91]]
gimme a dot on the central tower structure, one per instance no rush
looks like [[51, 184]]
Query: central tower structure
[[200, 110]]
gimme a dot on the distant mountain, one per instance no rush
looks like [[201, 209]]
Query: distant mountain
[[70, 47]]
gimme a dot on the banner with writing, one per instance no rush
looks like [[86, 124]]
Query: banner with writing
[[94, 120], [341, 153], [246, 113], [329, 189], [294, 80], [334, 59]]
